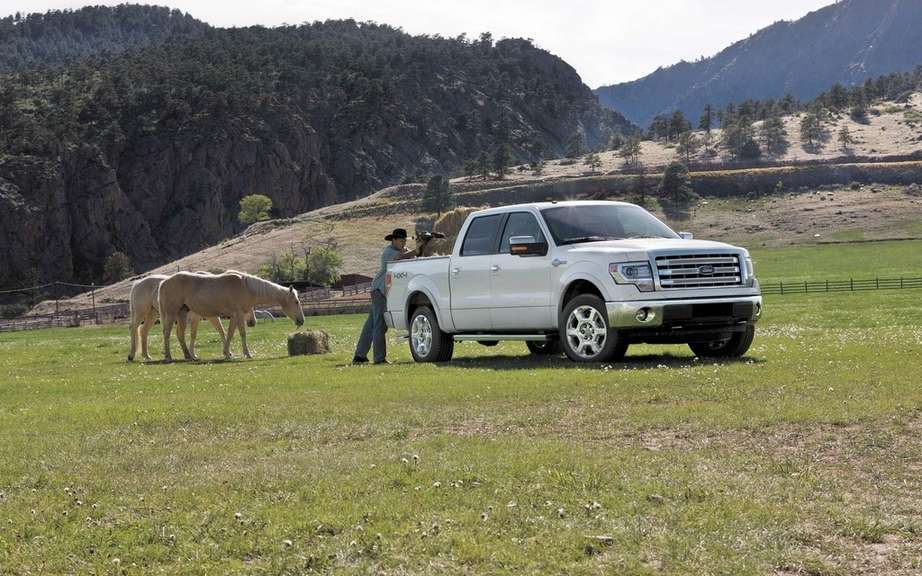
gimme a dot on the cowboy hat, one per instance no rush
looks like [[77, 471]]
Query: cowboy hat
[[397, 233]]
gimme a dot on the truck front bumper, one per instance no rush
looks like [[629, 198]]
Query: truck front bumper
[[682, 313]]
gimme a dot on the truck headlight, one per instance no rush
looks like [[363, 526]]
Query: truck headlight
[[637, 273], [750, 271]]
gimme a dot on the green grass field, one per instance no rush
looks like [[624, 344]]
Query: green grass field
[[802, 458]]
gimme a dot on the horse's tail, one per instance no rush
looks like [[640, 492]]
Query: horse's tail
[[134, 321]]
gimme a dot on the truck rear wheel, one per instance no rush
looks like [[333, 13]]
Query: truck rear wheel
[[737, 345], [585, 334], [427, 341], [545, 348]]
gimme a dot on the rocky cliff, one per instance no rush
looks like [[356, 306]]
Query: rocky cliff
[[159, 195], [150, 152]]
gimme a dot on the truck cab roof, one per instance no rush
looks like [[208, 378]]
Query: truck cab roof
[[554, 204]]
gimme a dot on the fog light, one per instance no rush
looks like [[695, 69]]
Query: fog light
[[643, 315], [758, 309]]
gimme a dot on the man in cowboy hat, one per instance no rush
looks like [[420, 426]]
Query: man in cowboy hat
[[374, 328]]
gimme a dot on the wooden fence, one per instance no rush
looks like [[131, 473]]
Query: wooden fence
[[851, 285]]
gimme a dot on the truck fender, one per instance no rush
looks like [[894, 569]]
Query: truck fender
[[581, 271], [424, 285]]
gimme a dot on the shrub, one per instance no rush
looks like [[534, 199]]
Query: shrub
[[254, 208]]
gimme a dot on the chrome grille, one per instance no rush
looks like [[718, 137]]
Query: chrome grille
[[698, 270]]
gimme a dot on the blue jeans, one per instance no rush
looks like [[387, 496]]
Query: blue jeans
[[374, 329]]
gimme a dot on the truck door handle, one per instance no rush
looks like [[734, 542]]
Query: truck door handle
[[557, 262], [494, 268], [455, 271]]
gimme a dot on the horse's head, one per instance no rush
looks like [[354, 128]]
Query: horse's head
[[251, 317], [292, 307]]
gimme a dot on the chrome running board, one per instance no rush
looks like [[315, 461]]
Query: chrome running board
[[498, 337]]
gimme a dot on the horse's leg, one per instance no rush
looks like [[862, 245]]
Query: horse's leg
[[167, 320], [194, 319], [231, 326], [149, 320], [181, 334], [135, 324], [241, 323]]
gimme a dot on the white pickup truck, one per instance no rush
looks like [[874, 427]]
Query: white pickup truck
[[585, 278]]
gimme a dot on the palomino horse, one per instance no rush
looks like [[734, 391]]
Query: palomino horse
[[228, 295], [144, 306]]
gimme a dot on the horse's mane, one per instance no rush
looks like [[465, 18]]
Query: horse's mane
[[260, 287]]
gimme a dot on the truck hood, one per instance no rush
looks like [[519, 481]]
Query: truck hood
[[639, 247]]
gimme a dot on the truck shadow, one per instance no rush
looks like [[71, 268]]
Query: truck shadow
[[637, 362]]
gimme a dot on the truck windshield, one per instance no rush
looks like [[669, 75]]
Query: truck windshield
[[595, 222]]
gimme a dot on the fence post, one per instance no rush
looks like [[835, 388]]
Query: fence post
[[781, 282], [93, 297], [827, 285], [851, 284], [55, 298], [805, 286], [901, 282], [878, 282]]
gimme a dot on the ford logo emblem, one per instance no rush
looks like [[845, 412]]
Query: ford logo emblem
[[705, 270]]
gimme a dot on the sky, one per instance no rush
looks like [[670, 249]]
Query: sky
[[606, 41]]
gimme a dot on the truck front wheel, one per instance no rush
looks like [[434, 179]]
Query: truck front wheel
[[734, 347], [427, 341], [585, 334]]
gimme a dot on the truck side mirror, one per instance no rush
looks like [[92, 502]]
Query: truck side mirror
[[526, 246], [686, 235]]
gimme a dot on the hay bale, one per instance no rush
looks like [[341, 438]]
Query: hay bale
[[449, 224], [308, 342]]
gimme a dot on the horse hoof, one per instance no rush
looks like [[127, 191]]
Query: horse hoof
[[130, 358], [147, 358]]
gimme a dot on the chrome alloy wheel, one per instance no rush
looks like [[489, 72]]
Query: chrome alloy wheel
[[421, 335], [586, 332]]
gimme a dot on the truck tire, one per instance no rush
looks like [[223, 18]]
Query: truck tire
[[735, 347], [545, 348], [427, 341], [584, 332]]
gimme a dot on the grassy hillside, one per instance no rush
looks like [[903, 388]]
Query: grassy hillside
[[800, 459]]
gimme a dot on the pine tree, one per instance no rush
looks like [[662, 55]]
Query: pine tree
[[676, 185], [501, 159], [470, 169], [811, 129], [689, 144], [706, 119], [437, 197], [639, 186], [845, 138], [737, 137], [774, 136], [678, 124], [483, 162]]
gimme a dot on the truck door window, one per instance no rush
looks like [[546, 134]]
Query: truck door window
[[520, 224], [481, 236]]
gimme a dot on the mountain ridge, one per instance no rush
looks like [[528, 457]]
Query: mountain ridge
[[846, 42]]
